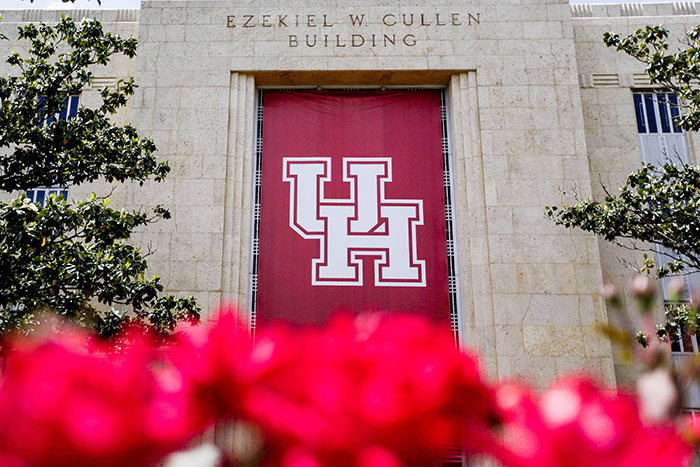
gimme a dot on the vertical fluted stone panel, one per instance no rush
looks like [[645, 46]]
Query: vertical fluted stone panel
[[475, 282], [236, 251]]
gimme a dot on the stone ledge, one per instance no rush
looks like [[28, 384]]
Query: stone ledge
[[33, 16], [352, 78], [613, 10]]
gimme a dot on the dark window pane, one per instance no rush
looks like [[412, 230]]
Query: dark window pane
[[675, 346], [687, 342], [663, 114], [639, 111], [68, 110], [42, 111], [73, 111], [64, 110], [675, 112], [40, 197], [651, 117]]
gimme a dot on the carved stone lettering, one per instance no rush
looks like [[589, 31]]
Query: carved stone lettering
[[366, 37], [357, 20]]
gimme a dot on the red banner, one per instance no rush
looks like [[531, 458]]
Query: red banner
[[352, 205]]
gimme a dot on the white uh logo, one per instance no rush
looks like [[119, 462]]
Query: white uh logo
[[366, 224]]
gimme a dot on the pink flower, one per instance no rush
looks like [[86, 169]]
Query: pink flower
[[215, 359], [66, 402], [378, 390], [382, 389], [577, 424]]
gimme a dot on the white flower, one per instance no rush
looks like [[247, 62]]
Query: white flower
[[206, 455], [657, 394]]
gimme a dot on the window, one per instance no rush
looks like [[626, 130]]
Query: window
[[40, 194], [661, 141], [690, 389], [70, 110], [660, 137]]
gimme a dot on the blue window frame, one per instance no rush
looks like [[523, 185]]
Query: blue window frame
[[39, 195]]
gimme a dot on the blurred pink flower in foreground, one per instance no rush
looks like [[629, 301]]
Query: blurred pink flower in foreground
[[578, 424], [216, 360], [68, 401], [377, 390]]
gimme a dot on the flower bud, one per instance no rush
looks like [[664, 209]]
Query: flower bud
[[644, 290], [612, 296]]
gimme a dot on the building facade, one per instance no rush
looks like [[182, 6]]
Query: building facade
[[532, 106]]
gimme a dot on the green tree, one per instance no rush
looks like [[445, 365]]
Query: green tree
[[656, 205], [72, 258]]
